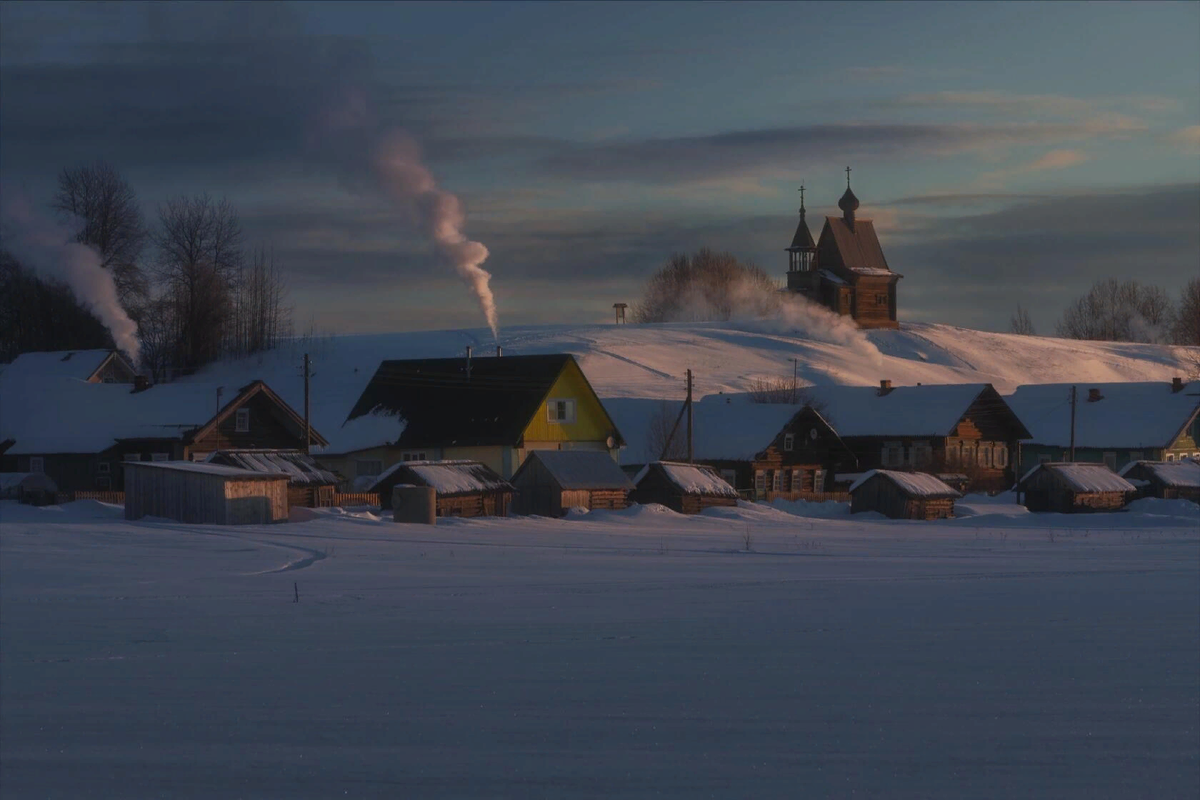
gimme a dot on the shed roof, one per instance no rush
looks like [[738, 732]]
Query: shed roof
[[205, 468], [1179, 474], [580, 469], [914, 484], [78, 364], [446, 477], [1130, 415], [300, 468], [1083, 477], [690, 478], [28, 480]]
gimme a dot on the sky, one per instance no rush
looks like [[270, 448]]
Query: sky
[[1008, 152]]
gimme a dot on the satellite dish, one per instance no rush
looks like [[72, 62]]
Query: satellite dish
[[610, 442]]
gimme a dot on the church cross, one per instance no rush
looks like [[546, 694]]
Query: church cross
[[801, 190], [847, 177]]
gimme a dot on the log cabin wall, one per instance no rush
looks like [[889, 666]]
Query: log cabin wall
[[874, 303]]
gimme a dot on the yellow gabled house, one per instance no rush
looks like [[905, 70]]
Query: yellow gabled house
[[494, 410]]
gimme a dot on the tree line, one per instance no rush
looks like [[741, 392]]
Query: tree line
[[1126, 311], [189, 281]]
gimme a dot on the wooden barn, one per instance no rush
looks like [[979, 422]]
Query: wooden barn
[[27, 487], [902, 495], [206, 494], [464, 488], [686, 488], [1073, 487], [1165, 479], [552, 481], [309, 484]]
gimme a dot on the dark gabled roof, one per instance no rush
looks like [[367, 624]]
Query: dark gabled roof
[[579, 469], [803, 239], [438, 406], [857, 248]]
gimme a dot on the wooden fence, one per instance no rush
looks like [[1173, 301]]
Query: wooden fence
[[343, 499], [116, 498]]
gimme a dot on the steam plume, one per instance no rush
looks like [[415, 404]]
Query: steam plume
[[398, 161], [47, 248]]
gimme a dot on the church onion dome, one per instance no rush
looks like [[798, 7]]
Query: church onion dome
[[848, 203], [803, 239]]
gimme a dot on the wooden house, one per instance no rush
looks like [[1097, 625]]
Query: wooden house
[[552, 481], [1168, 480], [207, 494], [27, 487], [79, 432], [464, 488], [686, 488], [309, 484], [1068, 488], [902, 495], [845, 269], [494, 410], [802, 460], [91, 366], [948, 428], [1115, 423]]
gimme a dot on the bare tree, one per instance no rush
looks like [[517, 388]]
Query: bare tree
[[1186, 329], [199, 243], [39, 314], [1113, 311], [103, 208], [1021, 323], [261, 316], [773, 390], [707, 285]]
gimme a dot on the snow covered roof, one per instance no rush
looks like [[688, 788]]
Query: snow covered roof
[[915, 484], [78, 364], [300, 468], [580, 469], [206, 469], [1084, 477], [375, 429], [907, 411], [690, 478], [446, 477], [733, 431], [1180, 474], [28, 480], [1129, 415]]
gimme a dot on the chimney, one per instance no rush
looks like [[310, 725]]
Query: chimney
[[884, 387], [1094, 395], [140, 383], [1176, 385], [468, 362], [499, 351]]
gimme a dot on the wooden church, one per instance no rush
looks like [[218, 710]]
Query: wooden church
[[844, 270]]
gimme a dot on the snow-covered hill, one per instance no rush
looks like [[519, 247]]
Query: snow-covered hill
[[650, 360]]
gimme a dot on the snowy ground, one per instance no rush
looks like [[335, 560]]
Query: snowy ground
[[751, 652]]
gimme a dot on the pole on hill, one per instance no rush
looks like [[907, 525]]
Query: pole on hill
[[1072, 423], [690, 415], [307, 407]]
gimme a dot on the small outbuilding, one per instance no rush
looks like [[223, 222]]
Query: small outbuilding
[[1072, 487], [34, 488], [1166, 479], [903, 495], [464, 488], [309, 484], [686, 488], [552, 481], [209, 494]]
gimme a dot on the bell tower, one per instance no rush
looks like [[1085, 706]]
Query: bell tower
[[802, 256]]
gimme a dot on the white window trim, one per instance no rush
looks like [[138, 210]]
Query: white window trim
[[789, 442], [414, 455], [552, 408], [241, 420], [131, 457], [104, 468]]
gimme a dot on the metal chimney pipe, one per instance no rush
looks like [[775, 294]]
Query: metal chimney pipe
[[499, 351], [468, 362]]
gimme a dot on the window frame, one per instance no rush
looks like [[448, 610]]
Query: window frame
[[789, 442], [37, 463], [159, 457], [414, 455], [569, 408], [133, 457], [103, 468], [241, 420]]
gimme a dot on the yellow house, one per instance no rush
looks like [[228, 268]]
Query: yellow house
[[494, 410]]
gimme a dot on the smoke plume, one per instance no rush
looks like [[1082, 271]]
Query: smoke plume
[[40, 244], [398, 160]]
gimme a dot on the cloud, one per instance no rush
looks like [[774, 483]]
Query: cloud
[[1009, 104], [1188, 138], [1053, 160]]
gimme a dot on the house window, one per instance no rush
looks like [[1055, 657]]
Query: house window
[[893, 454], [160, 456], [760, 482], [241, 420], [368, 468], [560, 410], [922, 454], [1001, 455], [797, 480], [104, 483], [985, 456], [1170, 456], [37, 464], [103, 467], [1110, 461], [777, 480], [789, 441], [414, 455], [133, 456], [819, 480]]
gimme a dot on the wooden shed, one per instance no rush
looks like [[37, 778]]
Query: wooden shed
[[686, 488], [903, 495], [309, 484], [552, 481], [1165, 479], [1072, 487], [210, 494], [29, 487], [464, 488]]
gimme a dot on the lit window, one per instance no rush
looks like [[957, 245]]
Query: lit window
[[560, 411], [37, 464], [789, 440], [241, 420]]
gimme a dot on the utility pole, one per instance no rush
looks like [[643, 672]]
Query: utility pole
[[689, 413], [307, 407], [218, 428], [1072, 423]]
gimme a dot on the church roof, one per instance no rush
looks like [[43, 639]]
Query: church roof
[[857, 248], [803, 238]]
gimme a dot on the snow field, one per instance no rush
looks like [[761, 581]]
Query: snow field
[[747, 652]]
